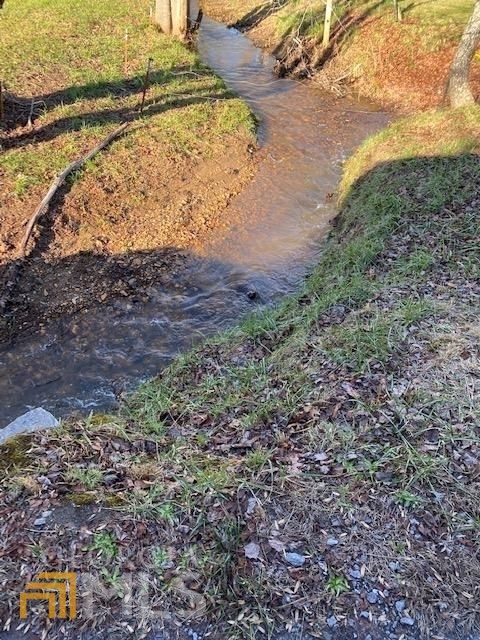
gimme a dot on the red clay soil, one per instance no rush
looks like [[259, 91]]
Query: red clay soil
[[381, 64], [378, 59], [113, 234]]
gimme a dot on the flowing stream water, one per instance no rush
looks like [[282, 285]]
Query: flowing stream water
[[280, 221]]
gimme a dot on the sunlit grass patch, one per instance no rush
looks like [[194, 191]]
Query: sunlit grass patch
[[342, 425], [85, 64]]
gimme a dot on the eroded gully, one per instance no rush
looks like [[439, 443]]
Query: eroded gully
[[280, 220]]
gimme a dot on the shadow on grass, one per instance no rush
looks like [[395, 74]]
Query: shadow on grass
[[19, 112], [343, 31], [290, 52], [433, 193], [153, 106], [258, 14]]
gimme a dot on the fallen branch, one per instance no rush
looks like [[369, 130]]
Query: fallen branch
[[14, 269], [60, 179]]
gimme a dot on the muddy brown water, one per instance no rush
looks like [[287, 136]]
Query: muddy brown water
[[83, 363]]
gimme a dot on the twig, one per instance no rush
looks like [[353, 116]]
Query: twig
[[125, 63], [30, 116], [145, 84], [1, 103], [195, 24]]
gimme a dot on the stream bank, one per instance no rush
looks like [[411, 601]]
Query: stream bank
[[318, 467], [268, 239], [402, 66]]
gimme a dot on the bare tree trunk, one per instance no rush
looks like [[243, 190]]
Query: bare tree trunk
[[163, 15], [458, 92]]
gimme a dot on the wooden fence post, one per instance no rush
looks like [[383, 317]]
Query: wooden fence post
[[328, 22], [173, 17], [163, 15], [397, 10], [180, 18]]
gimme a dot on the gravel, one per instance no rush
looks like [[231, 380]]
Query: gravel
[[331, 621], [295, 559], [400, 605]]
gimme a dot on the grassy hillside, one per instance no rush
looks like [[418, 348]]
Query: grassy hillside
[[320, 463], [85, 62], [403, 65], [306, 17]]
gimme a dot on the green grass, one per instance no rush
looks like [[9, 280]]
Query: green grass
[[105, 544], [380, 200], [351, 400], [442, 18], [81, 42], [451, 13], [306, 17], [90, 477], [71, 55], [337, 585]]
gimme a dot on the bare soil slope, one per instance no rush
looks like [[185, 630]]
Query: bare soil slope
[[124, 221]]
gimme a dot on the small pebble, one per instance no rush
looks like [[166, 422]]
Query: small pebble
[[39, 522], [372, 597], [331, 621], [406, 620], [295, 559], [356, 574], [400, 605], [332, 542]]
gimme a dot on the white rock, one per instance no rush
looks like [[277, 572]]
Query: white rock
[[34, 420]]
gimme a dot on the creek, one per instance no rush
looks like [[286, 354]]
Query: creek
[[281, 218]]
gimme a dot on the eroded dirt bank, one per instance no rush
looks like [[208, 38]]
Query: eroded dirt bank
[[127, 219], [113, 236], [400, 65]]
